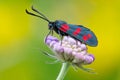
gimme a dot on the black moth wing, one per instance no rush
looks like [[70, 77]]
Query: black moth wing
[[82, 34]]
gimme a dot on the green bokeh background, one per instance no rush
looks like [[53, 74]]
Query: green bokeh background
[[21, 37]]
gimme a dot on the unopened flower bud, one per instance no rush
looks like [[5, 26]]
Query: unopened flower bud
[[88, 59]]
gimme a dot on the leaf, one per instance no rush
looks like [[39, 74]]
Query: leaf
[[89, 70], [48, 54], [56, 61]]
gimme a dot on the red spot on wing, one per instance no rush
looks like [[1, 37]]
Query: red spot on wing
[[77, 31], [86, 37], [64, 27], [89, 35]]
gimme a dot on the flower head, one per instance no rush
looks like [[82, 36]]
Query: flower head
[[70, 50]]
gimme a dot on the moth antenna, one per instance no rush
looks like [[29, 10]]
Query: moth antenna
[[38, 12], [36, 15]]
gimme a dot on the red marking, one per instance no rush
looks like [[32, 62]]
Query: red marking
[[86, 37], [89, 35], [64, 28], [77, 31]]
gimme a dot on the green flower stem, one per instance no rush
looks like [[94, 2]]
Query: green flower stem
[[63, 71]]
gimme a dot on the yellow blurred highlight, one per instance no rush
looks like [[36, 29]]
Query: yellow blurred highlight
[[6, 23], [12, 27]]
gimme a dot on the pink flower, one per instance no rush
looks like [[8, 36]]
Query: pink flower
[[70, 50]]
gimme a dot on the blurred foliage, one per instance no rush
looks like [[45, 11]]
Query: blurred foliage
[[21, 37]]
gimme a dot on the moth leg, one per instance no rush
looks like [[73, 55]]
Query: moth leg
[[61, 37], [51, 31], [76, 42]]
